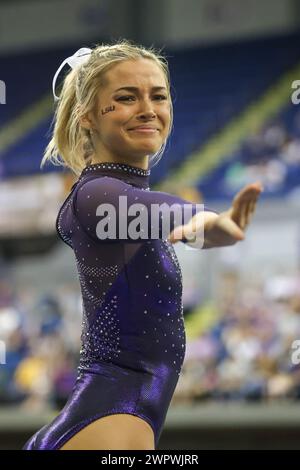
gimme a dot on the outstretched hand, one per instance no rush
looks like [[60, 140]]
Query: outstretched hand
[[229, 226]]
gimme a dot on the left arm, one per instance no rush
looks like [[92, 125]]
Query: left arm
[[210, 230]]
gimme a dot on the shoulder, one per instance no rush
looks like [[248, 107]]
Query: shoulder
[[93, 191], [100, 184]]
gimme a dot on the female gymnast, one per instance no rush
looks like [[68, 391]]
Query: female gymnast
[[112, 121]]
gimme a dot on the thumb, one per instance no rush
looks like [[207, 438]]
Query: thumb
[[231, 228]]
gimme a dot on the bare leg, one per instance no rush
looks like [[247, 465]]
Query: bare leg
[[114, 432]]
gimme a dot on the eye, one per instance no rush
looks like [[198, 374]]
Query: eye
[[129, 97], [124, 98], [162, 97]]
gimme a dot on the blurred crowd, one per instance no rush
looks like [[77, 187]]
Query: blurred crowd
[[41, 335], [246, 347], [240, 347], [271, 155]]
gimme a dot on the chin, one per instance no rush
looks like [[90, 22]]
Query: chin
[[147, 144], [149, 148]]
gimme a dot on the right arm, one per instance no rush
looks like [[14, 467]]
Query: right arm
[[98, 208]]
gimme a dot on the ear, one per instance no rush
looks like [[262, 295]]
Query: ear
[[86, 121]]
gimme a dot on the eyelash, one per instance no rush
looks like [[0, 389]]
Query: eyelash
[[125, 98]]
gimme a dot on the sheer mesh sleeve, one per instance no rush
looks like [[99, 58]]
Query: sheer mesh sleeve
[[110, 210]]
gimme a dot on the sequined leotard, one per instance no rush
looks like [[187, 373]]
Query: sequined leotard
[[133, 338]]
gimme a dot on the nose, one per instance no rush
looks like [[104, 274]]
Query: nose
[[147, 111]]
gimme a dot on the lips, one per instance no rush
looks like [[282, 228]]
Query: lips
[[145, 130], [143, 127]]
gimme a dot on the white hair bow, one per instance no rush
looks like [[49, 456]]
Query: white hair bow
[[78, 58]]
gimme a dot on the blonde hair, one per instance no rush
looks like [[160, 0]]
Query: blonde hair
[[71, 144]]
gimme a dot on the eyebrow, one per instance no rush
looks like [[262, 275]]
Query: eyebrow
[[133, 88]]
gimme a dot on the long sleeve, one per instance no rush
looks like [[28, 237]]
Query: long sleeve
[[110, 210]]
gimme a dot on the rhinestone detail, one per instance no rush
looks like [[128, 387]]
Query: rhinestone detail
[[115, 166]]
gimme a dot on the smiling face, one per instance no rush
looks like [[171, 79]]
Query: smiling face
[[135, 93]]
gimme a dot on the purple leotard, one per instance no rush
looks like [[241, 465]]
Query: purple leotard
[[133, 337]]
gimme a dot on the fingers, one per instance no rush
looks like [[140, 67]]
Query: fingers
[[251, 187], [251, 206], [176, 234], [249, 191], [244, 204], [250, 212], [247, 211]]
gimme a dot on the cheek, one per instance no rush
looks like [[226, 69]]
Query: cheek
[[110, 121], [166, 112], [166, 116], [118, 118], [112, 131]]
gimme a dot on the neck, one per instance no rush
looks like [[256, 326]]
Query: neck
[[141, 162], [103, 154]]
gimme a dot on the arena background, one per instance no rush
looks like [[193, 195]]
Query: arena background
[[234, 68]]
